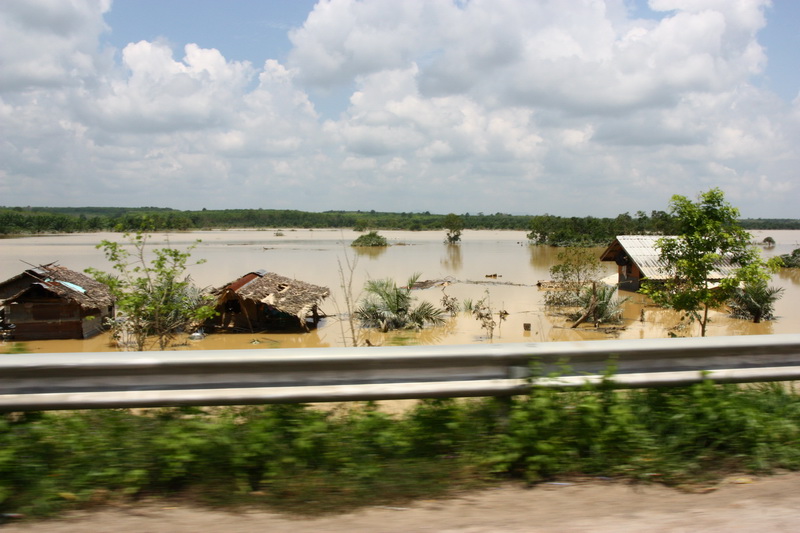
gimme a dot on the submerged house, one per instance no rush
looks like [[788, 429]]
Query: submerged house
[[54, 302], [638, 258], [260, 301]]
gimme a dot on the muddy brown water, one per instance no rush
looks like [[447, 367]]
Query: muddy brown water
[[315, 256]]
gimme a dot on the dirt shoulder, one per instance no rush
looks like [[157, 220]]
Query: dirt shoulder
[[740, 503]]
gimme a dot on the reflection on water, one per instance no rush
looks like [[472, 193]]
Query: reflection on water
[[314, 255], [790, 275], [543, 257], [370, 252], [452, 259]]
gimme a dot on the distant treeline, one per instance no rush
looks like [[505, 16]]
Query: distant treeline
[[541, 229]]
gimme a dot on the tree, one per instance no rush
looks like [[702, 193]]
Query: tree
[[454, 225], [598, 304], [577, 269], [387, 306], [155, 298], [755, 301], [578, 287], [360, 225], [709, 237]]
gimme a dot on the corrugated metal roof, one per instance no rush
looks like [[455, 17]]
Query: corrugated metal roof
[[643, 251], [244, 280]]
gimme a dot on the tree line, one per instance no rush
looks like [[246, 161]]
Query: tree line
[[541, 229]]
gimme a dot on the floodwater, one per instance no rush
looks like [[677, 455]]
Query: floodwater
[[498, 265]]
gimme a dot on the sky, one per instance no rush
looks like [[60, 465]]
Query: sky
[[572, 108]]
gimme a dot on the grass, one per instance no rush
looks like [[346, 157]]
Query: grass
[[302, 460]]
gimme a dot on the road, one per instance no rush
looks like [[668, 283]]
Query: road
[[740, 503]]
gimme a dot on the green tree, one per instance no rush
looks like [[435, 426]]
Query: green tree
[[577, 269], [709, 237], [153, 299], [754, 301], [541, 228], [454, 225], [387, 306], [598, 304]]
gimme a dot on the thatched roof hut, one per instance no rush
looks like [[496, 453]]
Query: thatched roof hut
[[53, 302], [260, 300]]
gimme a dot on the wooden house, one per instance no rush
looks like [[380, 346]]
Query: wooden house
[[261, 301], [54, 302], [638, 258]]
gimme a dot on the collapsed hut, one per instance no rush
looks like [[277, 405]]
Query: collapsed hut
[[53, 302], [261, 301]]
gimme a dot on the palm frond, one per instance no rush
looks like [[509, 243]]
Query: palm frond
[[387, 306]]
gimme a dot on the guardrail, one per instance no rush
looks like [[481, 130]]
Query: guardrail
[[238, 377]]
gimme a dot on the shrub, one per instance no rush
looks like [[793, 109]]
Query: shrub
[[792, 260], [370, 239], [600, 303], [755, 301], [285, 456], [387, 306]]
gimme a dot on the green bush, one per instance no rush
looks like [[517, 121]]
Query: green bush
[[791, 260], [754, 301], [284, 456], [386, 306], [370, 239]]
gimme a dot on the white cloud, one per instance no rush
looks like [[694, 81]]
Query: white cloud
[[518, 106], [158, 93], [49, 43], [358, 163]]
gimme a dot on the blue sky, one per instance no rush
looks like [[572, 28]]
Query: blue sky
[[578, 108], [781, 38], [241, 29]]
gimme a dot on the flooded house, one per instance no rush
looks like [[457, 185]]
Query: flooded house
[[53, 302], [638, 258], [262, 301]]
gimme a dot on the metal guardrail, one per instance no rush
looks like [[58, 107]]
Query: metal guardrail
[[238, 377]]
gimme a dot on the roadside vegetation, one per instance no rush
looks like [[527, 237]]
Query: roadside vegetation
[[298, 459]]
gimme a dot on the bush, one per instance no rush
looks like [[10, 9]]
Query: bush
[[285, 456], [754, 301], [792, 260], [387, 307], [577, 269], [600, 303], [370, 239]]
